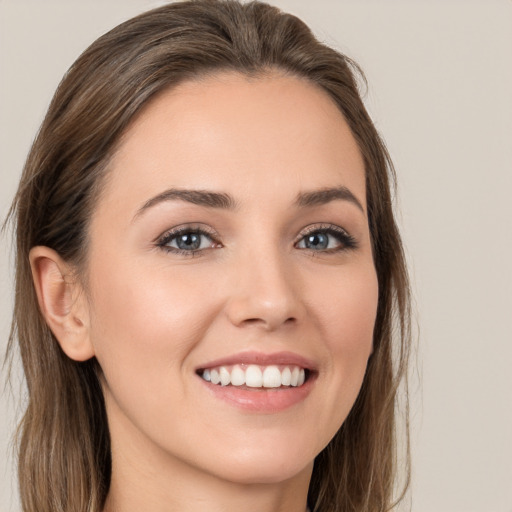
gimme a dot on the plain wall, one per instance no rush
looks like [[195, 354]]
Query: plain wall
[[440, 82]]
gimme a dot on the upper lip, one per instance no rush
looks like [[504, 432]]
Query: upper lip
[[262, 359]]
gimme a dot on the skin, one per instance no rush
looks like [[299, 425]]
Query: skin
[[152, 317]]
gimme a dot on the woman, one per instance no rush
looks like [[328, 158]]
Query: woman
[[208, 275]]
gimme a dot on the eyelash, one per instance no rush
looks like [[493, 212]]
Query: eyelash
[[346, 241], [186, 230]]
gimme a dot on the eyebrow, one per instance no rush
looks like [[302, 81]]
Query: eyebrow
[[200, 197], [224, 201], [326, 195]]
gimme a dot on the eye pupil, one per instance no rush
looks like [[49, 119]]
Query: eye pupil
[[317, 241], [188, 241]]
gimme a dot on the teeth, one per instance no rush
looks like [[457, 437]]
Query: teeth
[[286, 377], [254, 376], [302, 377], [271, 377], [225, 377], [237, 376], [294, 380], [214, 377]]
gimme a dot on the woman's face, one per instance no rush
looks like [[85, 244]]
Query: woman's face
[[231, 242]]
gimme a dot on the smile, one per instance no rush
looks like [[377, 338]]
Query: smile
[[259, 383], [255, 376]]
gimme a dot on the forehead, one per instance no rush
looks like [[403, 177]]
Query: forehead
[[261, 136]]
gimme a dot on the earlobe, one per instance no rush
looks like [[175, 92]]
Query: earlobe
[[62, 302]]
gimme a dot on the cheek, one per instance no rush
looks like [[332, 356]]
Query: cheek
[[144, 325], [143, 319], [349, 313], [347, 316]]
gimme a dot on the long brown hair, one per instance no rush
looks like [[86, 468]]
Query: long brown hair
[[64, 444]]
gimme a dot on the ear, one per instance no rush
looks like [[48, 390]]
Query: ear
[[62, 302]]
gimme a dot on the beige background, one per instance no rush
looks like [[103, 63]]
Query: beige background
[[440, 75]]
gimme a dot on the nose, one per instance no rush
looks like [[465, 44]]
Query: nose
[[264, 293]]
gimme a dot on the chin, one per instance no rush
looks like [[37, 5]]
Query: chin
[[271, 472], [260, 464]]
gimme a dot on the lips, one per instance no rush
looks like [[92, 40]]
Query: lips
[[260, 382]]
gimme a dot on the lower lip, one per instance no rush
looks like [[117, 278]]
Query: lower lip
[[262, 400]]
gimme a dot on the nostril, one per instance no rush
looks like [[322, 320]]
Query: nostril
[[269, 324], [252, 321]]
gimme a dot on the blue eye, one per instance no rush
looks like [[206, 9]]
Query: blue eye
[[187, 241], [329, 239], [190, 241]]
